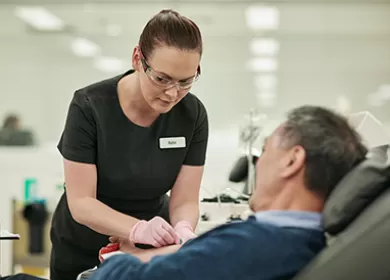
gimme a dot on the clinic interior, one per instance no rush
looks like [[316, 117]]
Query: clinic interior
[[260, 60]]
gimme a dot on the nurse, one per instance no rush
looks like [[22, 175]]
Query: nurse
[[127, 141]]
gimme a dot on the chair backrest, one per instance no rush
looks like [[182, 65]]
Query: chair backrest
[[239, 172], [357, 219]]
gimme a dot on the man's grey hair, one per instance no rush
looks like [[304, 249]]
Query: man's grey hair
[[332, 146]]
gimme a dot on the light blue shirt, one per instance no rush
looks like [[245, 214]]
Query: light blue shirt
[[298, 219]]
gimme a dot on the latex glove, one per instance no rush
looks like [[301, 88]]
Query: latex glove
[[156, 232], [185, 231]]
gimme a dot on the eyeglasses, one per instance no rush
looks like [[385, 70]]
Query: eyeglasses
[[162, 81]]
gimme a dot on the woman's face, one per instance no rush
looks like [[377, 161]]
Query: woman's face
[[166, 76]]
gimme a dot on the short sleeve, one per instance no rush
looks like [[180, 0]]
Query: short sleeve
[[78, 140], [196, 154]]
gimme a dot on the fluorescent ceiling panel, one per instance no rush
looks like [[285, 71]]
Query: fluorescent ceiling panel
[[262, 65], [39, 18], [262, 17], [264, 47], [84, 48]]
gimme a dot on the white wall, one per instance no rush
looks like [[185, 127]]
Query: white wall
[[16, 165]]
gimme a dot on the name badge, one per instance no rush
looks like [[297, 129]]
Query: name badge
[[172, 142]]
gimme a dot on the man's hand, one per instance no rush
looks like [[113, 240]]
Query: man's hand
[[144, 255], [125, 245]]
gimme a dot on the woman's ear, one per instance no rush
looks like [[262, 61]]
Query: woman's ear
[[136, 59], [295, 161]]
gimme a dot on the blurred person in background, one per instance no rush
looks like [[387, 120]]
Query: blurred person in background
[[12, 133]]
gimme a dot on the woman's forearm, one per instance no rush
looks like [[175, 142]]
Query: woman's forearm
[[187, 211], [101, 218]]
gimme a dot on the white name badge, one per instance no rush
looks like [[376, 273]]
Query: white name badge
[[172, 142]]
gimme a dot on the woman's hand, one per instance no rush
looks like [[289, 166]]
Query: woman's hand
[[185, 231], [156, 232]]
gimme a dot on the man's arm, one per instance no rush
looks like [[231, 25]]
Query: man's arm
[[146, 255], [222, 253]]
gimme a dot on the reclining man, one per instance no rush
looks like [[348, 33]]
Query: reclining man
[[302, 161]]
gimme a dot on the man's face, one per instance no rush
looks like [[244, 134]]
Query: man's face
[[275, 167]]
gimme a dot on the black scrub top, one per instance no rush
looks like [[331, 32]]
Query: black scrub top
[[136, 166]]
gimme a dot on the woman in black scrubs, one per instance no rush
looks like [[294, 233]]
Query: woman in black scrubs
[[127, 141]]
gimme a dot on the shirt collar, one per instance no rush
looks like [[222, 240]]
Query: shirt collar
[[298, 219]]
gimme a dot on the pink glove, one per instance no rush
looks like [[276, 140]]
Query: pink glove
[[185, 231], [156, 232]]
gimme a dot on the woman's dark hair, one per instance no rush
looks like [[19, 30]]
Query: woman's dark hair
[[169, 28]]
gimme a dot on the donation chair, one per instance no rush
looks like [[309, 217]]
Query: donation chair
[[357, 221]]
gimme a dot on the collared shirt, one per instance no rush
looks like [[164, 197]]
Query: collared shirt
[[298, 219]]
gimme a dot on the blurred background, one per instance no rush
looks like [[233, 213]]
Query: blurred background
[[269, 56]]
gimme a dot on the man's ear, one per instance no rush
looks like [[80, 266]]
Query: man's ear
[[136, 59], [294, 161]]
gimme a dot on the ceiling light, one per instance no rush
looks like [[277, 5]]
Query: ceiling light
[[259, 46], [266, 94], [265, 82], [262, 17], [39, 18], [84, 47], [109, 64], [262, 65]]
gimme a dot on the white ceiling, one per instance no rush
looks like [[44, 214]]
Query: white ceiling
[[327, 49]]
